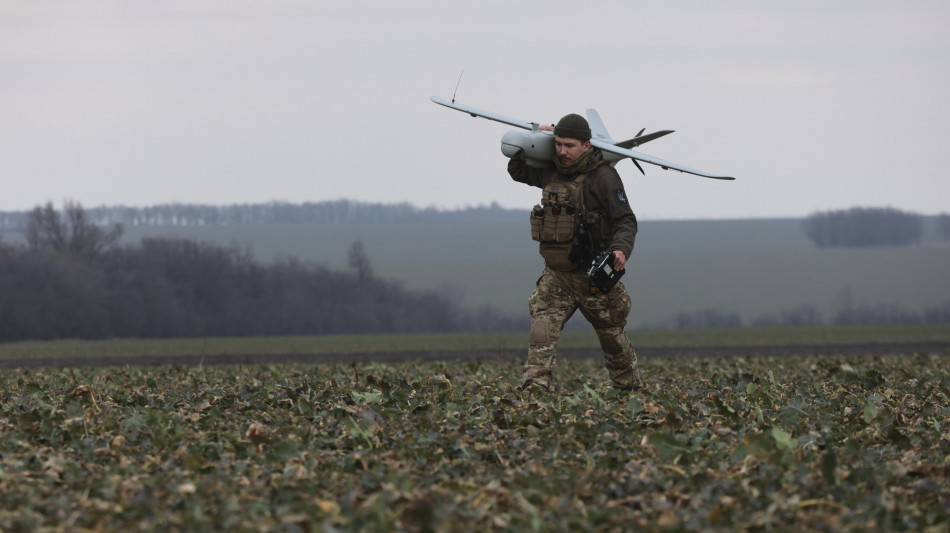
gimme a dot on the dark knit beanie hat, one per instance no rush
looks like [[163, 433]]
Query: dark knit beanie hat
[[573, 126]]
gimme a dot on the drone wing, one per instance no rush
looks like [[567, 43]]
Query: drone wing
[[597, 126], [486, 114], [662, 163]]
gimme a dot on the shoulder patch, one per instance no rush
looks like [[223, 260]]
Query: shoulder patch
[[621, 197]]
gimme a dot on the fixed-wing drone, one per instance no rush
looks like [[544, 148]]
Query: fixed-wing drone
[[538, 144]]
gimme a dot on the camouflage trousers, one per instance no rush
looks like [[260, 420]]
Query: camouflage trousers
[[554, 300]]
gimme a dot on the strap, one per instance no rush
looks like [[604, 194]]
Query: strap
[[580, 192]]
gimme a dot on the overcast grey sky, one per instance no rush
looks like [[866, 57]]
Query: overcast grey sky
[[812, 105]]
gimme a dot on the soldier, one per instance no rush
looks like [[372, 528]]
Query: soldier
[[583, 212]]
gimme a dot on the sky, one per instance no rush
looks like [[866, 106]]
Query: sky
[[812, 105]]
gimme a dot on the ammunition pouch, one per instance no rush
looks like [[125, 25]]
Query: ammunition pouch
[[554, 223], [537, 222]]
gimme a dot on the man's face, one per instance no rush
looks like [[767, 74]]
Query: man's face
[[570, 150]]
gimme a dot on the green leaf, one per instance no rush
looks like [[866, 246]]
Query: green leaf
[[790, 414], [760, 444], [357, 431], [783, 439], [725, 409], [870, 411], [635, 407], [281, 451], [668, 446], [304, 406], [373, 397], [593, 394]]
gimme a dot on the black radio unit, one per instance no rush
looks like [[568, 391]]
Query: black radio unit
[[602, 274]]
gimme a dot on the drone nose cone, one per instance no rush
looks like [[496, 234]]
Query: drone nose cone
[[538, 146], [511, 143], [509, 150]]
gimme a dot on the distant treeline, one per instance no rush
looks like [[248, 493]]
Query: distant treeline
[[809, 315], [72, 281], [854, 227], [869, 226], [331, 212]]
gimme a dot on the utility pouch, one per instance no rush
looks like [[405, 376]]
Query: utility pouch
[[564, 228], [557, 256], [537, 222]]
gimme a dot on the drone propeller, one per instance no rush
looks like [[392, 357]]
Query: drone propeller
[[634, 160], [638, 166]]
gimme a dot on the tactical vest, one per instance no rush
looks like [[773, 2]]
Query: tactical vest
[[557, 219]]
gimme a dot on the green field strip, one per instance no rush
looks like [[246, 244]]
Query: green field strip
[[447, 342]]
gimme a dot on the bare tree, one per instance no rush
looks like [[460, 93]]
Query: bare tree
[[358, 261], [45, 229], [69, 232]]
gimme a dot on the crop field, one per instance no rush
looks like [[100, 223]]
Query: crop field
[[805, 442]]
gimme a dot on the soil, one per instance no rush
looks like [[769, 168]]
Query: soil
[[942, 348]]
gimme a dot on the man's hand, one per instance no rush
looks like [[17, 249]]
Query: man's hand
[[619, 260], [545, 127]]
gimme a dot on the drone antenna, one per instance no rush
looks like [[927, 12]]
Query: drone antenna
[[457, 86]]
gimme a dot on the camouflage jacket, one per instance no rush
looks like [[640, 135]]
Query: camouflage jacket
[[603, 193]]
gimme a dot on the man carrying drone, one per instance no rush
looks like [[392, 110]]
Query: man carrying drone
[[586, 231], [583, 215]]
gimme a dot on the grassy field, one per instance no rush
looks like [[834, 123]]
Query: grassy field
[[753, 268], [328, 344], [734, 444]]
